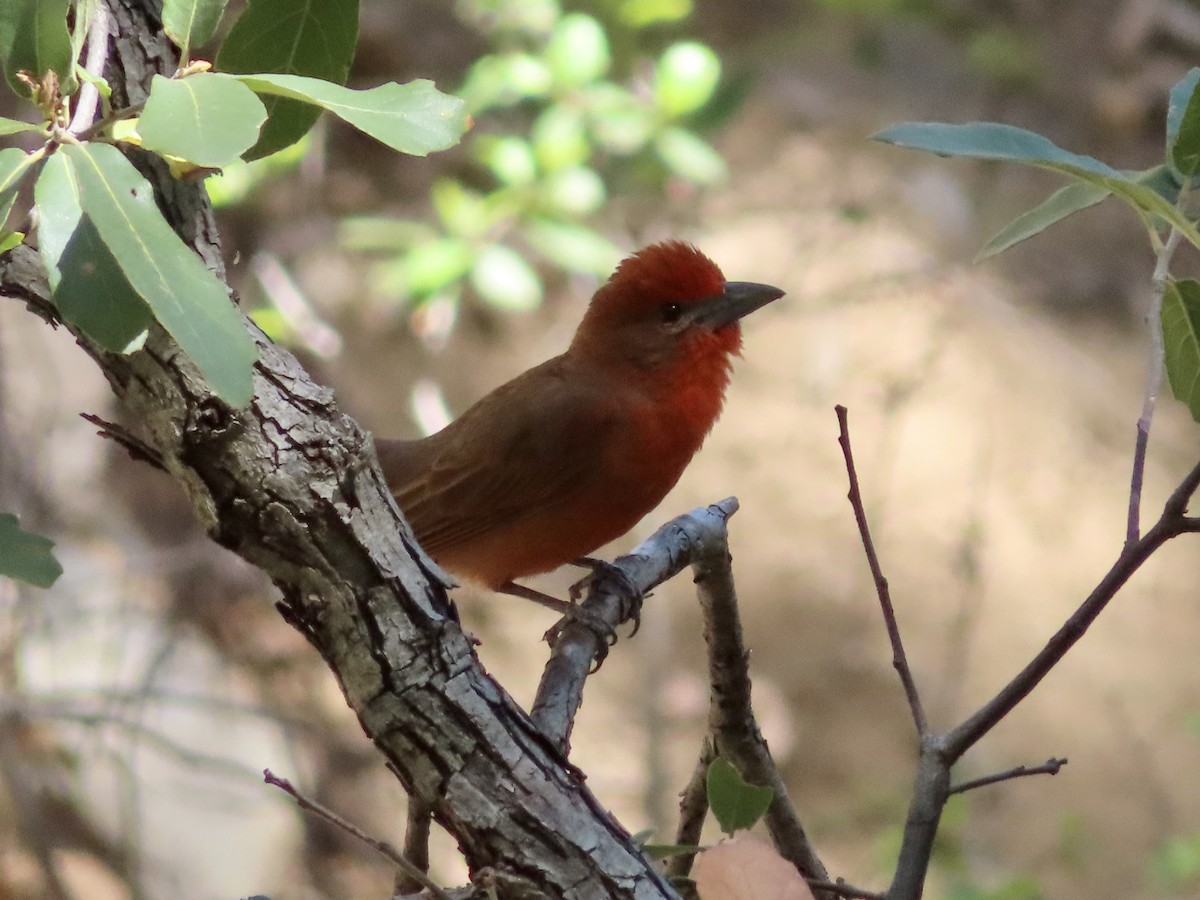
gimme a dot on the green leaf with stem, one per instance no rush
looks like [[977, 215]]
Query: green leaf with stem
[[88, 287], [736, 803], [15, 126], [1183, 126], [1062, 203], [206, 118], [992, 141], [191, 23], [414, 118], [1181, 341], [26, 556], [185, 297], [294, 37]]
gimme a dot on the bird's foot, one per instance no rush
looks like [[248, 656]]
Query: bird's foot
[[570, 612], [602, 570]]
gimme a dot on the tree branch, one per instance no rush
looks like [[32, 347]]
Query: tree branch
[[661, 556], [899, 658]]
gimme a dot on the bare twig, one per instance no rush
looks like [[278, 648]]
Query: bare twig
[[658, 558], [416, 845], [693, 808], [1155, 362], [97, 56], [1049, 767], [733, 728], [1171, 524], [334, 819], [899, 659]]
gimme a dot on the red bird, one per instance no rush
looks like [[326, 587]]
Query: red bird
[[574, 452]]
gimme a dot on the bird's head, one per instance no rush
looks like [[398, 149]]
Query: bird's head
[[668, 306]]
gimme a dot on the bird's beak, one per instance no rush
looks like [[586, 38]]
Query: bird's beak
[[740, 298]]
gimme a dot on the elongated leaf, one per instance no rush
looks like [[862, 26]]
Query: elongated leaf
[[89, 288], [988, 140], [13, 126], [414, 118], [1183, 126], [1180, 97], [736, 803], [296, 37], [34, 37], [207, 119], [14, 163], [1181, 340], [26, 556], [1055, 208], [184, 296], [190, 23]]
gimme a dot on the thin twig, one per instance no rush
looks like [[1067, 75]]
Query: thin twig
[[732, 725], [841, 889], [899, 658], [334, 819], [416, 844], [97, 57], [1049, 767], [1171, 524], [1155, 363], [693, 809]]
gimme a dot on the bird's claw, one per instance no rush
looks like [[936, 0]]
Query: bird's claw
[[606, 634], [600, 570]]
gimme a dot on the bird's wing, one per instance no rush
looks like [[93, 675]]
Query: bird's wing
[[529, 445]]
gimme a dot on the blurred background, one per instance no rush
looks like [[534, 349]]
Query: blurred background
[[992, 409]]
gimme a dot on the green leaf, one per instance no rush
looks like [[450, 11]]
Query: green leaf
[[640, 13], [1055, 208], [560, 137], [191, 23], [509, 158], [34, 37], [1183, 128], [577, 51], [685, 77], [1180, 97], [736, 803], [186, 298], [26, 556], [690, 157], [432, 265], [1181, 341], [573, 247], [14, 126], [505, 280], [88, 286], [988, 140], [504, 80], [414, 118], [207, 119], [14, 163], [315, 38], [575, 191]]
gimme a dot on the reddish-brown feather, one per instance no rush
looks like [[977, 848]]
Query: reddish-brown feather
[[573, 453]]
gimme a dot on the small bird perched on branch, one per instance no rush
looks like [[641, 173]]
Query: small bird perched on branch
[[574, 452]]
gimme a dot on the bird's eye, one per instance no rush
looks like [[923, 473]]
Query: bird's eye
[[671, 312]]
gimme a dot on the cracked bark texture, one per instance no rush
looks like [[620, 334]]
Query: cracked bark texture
[[289, 483]]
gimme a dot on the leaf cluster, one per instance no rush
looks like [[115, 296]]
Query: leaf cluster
[[115, 266], [1161, 196], [562, 102]]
